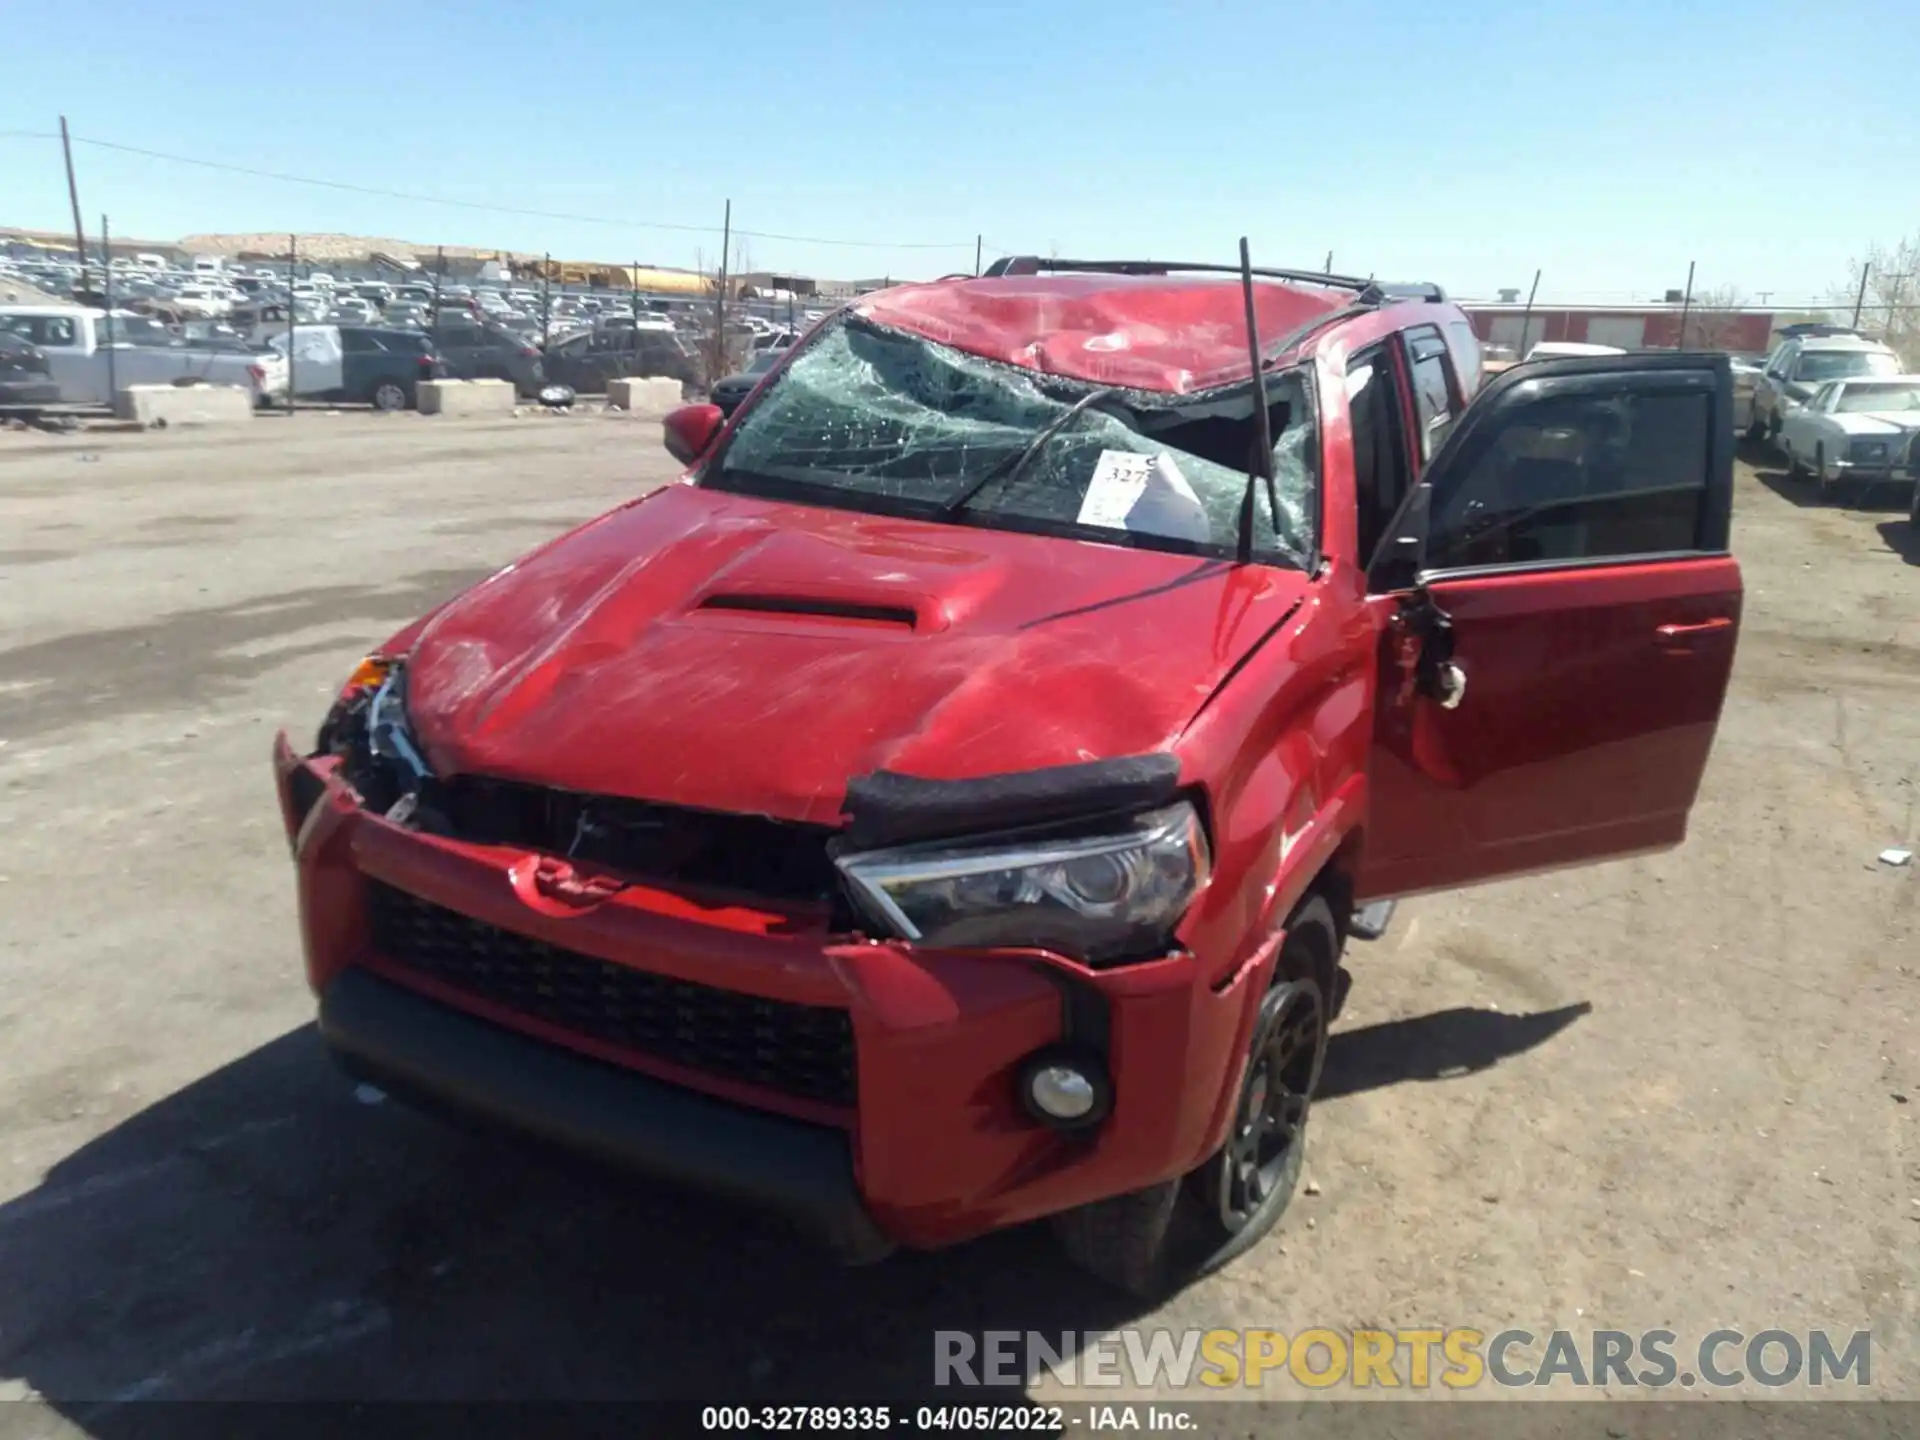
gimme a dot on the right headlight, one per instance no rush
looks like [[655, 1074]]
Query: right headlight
[[1100, 897]]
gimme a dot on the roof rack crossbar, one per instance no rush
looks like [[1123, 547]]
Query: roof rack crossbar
[[1036, 265]]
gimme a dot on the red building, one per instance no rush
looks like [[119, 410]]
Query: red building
[[1653, 326]]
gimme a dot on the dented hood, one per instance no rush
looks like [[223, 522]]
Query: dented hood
[[715, 650]]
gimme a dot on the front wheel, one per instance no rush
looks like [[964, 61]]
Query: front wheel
[[389, 395], [1913, 512], [1153, 1240]]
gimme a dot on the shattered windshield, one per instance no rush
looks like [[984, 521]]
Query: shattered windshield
[[875, 419]]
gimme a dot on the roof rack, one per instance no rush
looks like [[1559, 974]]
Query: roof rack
[[1369, 290]]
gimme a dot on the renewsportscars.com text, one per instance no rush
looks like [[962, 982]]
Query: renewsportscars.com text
[[1417, 1359]]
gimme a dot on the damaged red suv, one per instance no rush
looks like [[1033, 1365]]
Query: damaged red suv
[[948, 804]]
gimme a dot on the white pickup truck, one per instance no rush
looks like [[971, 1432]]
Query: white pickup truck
[[142, 352]]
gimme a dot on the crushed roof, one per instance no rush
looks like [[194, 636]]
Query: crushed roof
[[1171, 333]]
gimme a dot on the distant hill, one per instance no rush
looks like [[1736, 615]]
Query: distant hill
[[339, 248]]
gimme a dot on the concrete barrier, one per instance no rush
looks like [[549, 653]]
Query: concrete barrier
[[466, 397], [654, 396], [153, 406]]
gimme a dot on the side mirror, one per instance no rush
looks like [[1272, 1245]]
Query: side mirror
[[690, 430]]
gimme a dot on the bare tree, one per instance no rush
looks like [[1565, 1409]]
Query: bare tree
[[1890, 305], [1712, 320]]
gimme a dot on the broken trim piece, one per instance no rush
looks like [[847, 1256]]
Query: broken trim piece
[[887, 808]]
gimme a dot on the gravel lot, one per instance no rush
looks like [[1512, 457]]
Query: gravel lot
[[1680, 1091]]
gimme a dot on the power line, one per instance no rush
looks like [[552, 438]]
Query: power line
[[479, 205]]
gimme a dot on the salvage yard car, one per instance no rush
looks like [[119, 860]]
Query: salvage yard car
[[1801, 364], [1866, 429], [76, 342], [948, 805]]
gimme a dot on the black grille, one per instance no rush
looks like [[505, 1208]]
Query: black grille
[[752, 854], [801, 1050]]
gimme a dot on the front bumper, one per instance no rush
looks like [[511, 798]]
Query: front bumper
[[1896, 467], [935, 1147], [435, 1056]]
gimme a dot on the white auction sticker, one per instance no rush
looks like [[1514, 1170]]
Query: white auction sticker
[[1119, 480]]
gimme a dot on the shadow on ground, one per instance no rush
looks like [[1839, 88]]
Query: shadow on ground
[[1903, 538], [266, 1233], [1770, 469], [198, 656]]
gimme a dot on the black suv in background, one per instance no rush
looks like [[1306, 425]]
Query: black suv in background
[[589, 360], [477, 349], [381, 367]]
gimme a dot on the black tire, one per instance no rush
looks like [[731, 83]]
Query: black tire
[[1773, 430], [1795, 470], [1756, 429], [1154, 1240], [1820, 469], [1913, 512], [388, 393]]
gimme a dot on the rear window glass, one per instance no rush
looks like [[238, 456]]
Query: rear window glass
[[1817, 365]]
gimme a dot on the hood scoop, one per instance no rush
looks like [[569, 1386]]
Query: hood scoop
[[828, 608]]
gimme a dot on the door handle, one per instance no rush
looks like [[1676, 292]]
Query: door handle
[[1683, 634]]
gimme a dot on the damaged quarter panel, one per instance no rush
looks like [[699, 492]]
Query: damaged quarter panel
[[742, 654]]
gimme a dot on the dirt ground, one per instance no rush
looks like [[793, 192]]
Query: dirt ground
[[1674, 1092]]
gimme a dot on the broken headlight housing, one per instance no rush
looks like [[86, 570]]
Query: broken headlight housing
[[367, 727], [1108, 896]]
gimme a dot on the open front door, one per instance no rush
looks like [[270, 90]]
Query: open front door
[[1558, 616]]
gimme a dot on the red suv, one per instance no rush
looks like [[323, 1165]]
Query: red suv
[[948, 804]]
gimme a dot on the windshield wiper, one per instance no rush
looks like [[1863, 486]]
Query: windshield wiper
[[1012, 470]]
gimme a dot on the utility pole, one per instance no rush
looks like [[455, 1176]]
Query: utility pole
[[1686, 307], [633, 294], [976, 254], [720, 298], [1328, 268], [1861, 298], [73, 194]]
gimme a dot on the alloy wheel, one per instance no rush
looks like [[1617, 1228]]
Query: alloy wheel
[[1262, 1158]]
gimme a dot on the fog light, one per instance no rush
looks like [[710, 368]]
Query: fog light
[[1066, 1089]]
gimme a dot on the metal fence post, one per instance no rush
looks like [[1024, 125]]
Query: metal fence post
[[1526, 315], [546, 299], [293, 315], [106, 289], [720, 299], [1686, 306]]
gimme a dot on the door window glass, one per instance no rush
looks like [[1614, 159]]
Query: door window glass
[[1587, 475], [1466, 356], [1432, 395], [1380, 471]]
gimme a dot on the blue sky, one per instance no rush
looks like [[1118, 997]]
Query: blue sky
[[1607, 144]]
